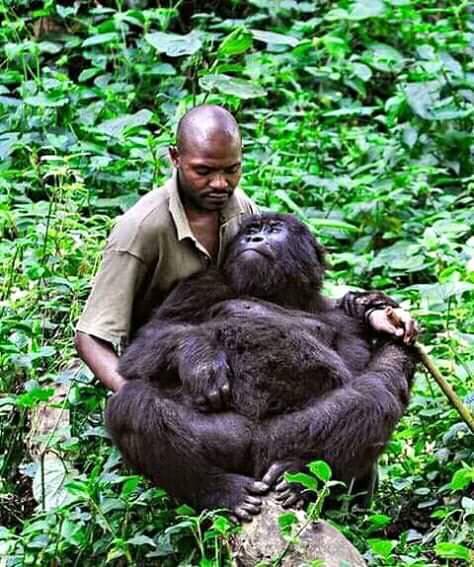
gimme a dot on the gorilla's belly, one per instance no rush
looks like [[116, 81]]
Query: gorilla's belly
[[279, 361]]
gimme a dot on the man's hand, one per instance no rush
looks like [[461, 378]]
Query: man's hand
[[394, 321]]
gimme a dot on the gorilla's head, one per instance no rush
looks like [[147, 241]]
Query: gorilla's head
[[276, 258]]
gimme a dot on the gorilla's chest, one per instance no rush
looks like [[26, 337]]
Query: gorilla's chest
[[278, 361]]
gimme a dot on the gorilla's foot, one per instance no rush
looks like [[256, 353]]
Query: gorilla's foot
[[241, 495], [288, 494]]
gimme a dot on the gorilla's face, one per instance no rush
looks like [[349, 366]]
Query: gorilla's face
[[262, 238], [275, 257]]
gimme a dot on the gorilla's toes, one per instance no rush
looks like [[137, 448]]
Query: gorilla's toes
[[250, 507], [290, 495], [278, 468]]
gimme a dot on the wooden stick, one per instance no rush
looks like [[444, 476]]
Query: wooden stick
[[449, 392], [436, 374]]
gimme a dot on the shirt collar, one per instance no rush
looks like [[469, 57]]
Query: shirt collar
[[178, 213]]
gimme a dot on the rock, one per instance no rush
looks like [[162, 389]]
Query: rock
[[261, 541]]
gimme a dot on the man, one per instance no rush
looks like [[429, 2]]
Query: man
[[171, 233]]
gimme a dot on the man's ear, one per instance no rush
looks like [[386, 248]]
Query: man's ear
[[174, 155]]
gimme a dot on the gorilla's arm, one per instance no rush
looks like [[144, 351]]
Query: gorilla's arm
[[175, 346], [350, 426]]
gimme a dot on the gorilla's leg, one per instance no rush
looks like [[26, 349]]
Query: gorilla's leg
[[347, 427], [188, 453]]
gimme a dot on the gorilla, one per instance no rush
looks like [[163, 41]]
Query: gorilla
[[248, 372]]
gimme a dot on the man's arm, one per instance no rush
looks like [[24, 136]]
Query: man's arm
[[101, 358]]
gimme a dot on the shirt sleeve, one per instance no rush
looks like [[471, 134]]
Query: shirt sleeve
[[108, 311]]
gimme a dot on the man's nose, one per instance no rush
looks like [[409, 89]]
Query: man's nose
[[218, 182]]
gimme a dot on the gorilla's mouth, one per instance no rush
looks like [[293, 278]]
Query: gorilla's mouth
[[258, 251]]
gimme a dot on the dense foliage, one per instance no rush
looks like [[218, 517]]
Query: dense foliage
[[357, 116]]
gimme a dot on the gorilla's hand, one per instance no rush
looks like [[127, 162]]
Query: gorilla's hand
[[394, 322], [206, 376]]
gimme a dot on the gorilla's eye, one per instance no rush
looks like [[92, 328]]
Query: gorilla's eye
[[252, 229], [274, 227]]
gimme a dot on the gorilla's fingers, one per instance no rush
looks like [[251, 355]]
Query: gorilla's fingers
[[274, 472], [258, 487], [242, 514], [281, 486], [251, 508], [291, 501], [253, 500]]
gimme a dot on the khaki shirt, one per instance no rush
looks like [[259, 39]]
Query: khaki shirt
[[150, 249]]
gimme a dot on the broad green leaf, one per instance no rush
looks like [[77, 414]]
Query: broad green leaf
[[453, 551], [361, 71], [384, 57], [321, 470], [462, 479], [302, 478], [100, 39], [286, 521], [49, 480], [382, 547], [359, 10], [175, 45], [237, 42], [352, 111], [273, 38], [117, 126], [34, 397], [46, 100], [141, 539], [7, 142], [422, 97], [231, 86], [330, 223], [364, 9], [283, 196]]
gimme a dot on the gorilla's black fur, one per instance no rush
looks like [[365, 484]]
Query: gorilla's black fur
[[251, 367]]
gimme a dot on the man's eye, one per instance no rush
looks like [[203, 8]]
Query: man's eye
[[202, 171], [232, 170]]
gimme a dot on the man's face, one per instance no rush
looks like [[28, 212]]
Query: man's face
[[208, 171]]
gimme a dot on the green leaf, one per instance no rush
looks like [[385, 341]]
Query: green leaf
[[283, 196], [34, 397], [422, 97], [453, 551], [100, 39], [364, 9], [175, 45], [117, 126], [462, 479], [384, 57], [230, 86], [236, 43], [286, 521], [49, 480], [302, 478], [274, 38], [45, 100], [330, 223], [382, 547], [7, 142], [321, 470], [141, 539]]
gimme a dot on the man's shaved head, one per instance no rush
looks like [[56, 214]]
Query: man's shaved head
[[203, 123]]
